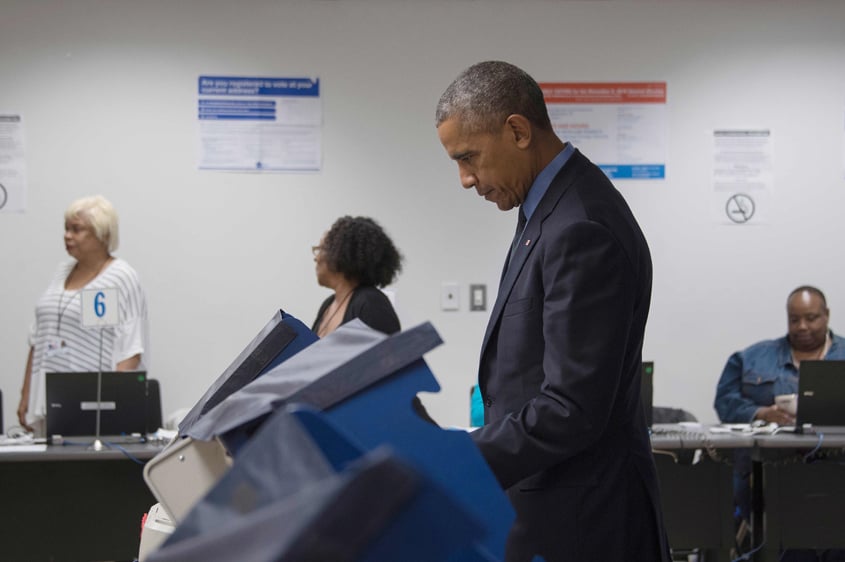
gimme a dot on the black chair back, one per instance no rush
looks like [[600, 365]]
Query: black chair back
[[153, 406]]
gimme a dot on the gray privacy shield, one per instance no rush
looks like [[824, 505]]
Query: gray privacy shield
[[345, 362]]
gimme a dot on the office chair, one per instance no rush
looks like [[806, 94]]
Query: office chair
[[662, 414], [153, 417]]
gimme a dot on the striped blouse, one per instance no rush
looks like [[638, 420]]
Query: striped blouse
[[60, 342]]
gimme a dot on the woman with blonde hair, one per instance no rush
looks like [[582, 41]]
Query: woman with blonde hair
[[58, 341]]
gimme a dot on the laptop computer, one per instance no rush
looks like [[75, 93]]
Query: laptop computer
[[821, 397], [129, 403]]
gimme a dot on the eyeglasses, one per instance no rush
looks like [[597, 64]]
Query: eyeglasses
[[316, 250]]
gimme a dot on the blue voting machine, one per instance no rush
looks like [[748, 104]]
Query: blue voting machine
[[328, 453]]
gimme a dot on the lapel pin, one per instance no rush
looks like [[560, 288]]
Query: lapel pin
[[527, 242]]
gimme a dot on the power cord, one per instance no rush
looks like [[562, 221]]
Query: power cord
[[809, 455], [108, 444], [126, 453]]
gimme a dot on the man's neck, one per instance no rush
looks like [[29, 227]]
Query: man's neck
[[549, 145], [818, 353]]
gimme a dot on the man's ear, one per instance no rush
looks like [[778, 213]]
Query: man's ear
[[519, 129]]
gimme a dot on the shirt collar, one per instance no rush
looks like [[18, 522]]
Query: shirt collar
[[544, 180]]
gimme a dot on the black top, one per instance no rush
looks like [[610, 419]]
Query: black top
[[372, 307], [368, 304]]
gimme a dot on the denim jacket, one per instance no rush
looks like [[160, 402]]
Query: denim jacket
[[754, 376]]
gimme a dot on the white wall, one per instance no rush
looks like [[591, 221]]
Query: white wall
[[108, 93]]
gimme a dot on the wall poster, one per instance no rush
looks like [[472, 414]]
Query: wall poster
[[12, 164], [259, 124], [620, 126], [742, 175]]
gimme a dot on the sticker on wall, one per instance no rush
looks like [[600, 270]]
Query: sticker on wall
[[259, 124], [739, 208], [621, 126], [741, 175]]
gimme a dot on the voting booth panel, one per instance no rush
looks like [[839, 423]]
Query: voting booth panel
[[360, 385], [288, 503], [201, 463], [280, 339]]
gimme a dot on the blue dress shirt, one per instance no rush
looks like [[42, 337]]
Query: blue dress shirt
[[544, 179]]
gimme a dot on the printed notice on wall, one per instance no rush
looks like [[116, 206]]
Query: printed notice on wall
[[742, 175], [12, 164], [259, 124], [620, 126]]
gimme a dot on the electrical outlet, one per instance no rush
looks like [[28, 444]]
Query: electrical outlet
[[450, 296]]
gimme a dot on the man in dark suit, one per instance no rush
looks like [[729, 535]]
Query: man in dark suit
[[560, 365]]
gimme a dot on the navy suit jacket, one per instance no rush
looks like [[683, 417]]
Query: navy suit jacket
[[559, 373]]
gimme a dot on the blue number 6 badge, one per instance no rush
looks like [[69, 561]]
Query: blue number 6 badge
[[99, 307]]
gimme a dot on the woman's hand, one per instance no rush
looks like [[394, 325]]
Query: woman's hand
[[22, 408]]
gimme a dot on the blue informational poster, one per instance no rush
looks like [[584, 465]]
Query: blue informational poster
[[259, 123]]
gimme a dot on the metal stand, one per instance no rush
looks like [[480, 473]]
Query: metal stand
[[97, 445]]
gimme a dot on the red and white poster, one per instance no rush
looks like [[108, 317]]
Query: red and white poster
[[620, 126]]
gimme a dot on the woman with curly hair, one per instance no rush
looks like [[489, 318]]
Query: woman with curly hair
[[354, 258]]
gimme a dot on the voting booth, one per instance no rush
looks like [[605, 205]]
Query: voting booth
[[185, 470], [320, 448]]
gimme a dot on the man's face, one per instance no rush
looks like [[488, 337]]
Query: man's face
[[495, 164], [807, 317]]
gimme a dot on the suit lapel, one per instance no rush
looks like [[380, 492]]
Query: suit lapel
[[533, 230]]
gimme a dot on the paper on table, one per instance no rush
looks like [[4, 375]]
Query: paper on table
[[22, 448]]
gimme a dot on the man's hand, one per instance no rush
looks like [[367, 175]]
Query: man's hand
[[773, 414]]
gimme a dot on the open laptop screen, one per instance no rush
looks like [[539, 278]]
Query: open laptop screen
[[72, 403], [821, 393]]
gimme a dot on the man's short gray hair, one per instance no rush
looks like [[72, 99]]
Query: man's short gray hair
[[486, 93]]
